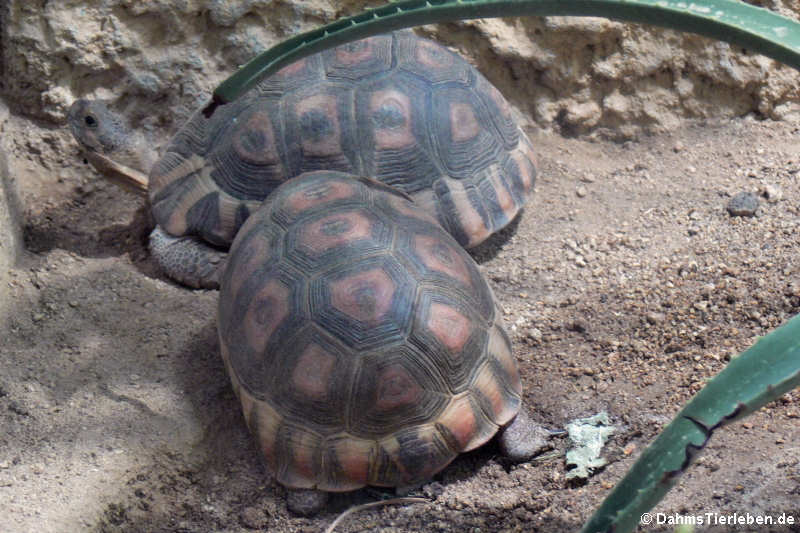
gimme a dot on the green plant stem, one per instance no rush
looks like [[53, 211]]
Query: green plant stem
[[759, 375]]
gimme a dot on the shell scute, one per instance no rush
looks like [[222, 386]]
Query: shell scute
[[310, 196], [464, 424], [498, 112], [411, 456], [464, 143], [392, 115], [301, 73], [445, 331], [319, 133], [346, 462], [359, 59], [367, 305], [318, 241], [432, 62], [442, 265]]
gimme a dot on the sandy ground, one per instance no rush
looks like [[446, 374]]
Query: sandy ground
[[625, 284]]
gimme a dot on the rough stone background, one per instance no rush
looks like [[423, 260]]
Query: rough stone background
[[10, 231], [574, 75]]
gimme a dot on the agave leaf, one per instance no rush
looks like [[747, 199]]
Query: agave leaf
[[728, 20], [759, 375]]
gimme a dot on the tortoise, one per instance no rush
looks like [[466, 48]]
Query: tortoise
[[363, 343], [396, 107]]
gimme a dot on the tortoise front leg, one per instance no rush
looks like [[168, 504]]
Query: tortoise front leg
[[188, 260], [523, 438]]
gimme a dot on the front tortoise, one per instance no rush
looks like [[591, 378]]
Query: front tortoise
[[362, 341], [396, 107]]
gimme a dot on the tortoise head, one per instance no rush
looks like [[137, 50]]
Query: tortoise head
[[109, 144], [96, 127]]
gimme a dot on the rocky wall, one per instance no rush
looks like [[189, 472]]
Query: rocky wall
[[159, 58], [10, 233]]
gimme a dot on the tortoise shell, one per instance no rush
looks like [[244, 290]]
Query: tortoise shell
[[396, 107], [361, 339]]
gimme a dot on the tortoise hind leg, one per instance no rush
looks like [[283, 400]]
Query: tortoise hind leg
[[187, 260], [523, 438], [306, 502]]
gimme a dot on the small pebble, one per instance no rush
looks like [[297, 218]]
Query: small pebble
[[253, 518], [579, 326], [581, 192], [535, 334], [743, 204], [772, 193]]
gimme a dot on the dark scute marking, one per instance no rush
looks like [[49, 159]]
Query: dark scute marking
[[164, 200], [364, 296], [474, 197], [203, 218], [448, 437], [336, 227], [395, 389], [355, 46], [514, 174], [419, 457], [253, 140], [389, 116], [265, 311], [448, 215], [413, 451], [315, 125], [442, 253], [491, 202], [384, 471], [242, 214]]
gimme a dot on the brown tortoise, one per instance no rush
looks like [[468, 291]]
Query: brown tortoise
[[362, 341], [395, 107]]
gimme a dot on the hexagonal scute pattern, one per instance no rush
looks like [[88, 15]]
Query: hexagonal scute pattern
[[359, 59], [360, 338], [397, 107], [432, 62], [319, 239], [368, 305]]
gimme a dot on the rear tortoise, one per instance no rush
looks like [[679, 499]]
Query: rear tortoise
[[396, 107], [362, 341]]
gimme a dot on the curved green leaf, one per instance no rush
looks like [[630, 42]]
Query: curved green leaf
[[728, 20], [759, 375]]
